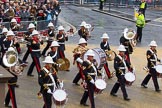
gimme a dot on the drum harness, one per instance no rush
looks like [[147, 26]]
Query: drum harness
[[125, 67]]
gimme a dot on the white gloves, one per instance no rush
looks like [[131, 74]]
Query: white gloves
[[61, 84], [49, 91], [92, 81]]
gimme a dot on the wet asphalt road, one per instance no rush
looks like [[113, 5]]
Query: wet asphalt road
[[141, 98]]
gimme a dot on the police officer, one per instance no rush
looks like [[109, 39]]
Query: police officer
[[124, 40], [90, 72], [151, 62], [143, 6], [31, 28], [105, 46], [140, 23], [120, 65], [101, 4], [78, 54], [35, 53], [48, 80], [51, 36], [82, 32], [61, 38]]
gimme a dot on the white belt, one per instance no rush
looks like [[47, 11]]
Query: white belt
[[152, 60], [121, 67], [126, 46], [91, 73], [61, 42], [35, 50]]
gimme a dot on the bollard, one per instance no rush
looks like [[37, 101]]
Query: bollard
[[4, 77]]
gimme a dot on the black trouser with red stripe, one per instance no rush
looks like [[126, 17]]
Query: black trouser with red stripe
[[79, 74], [34, 63], [47, 47], [120, 83], [27, 54], [152, 74], [61, 50], [11, 95], [47, 100], [107, 70], [90, 94]]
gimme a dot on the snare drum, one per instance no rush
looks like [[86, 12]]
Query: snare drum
[[159, 70], [130, 78], [100, 85], [59, 97], [100, 57]]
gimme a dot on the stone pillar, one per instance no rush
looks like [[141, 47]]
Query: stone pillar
[[4, 77]]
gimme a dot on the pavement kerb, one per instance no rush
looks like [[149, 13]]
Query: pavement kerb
[[113, 15]]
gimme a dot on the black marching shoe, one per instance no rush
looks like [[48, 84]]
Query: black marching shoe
[[84, 104], [76, 84], [127, 99], [30, 75], [113, 94], [158, 90], [143, 85], [8, 106]]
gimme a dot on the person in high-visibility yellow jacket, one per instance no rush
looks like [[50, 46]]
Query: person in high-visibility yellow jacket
[[101, 4], [140, 23], [143, 6]]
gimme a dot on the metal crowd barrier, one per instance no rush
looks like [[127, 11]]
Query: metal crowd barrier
[[40, 25]]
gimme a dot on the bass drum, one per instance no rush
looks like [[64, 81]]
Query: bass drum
[[100, 57], [59, 97]]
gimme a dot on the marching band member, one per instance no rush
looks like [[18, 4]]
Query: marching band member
[[11, 87], [105, 46], [15, 27], [83, 32], [151, 62], [54, 51], [90, 72], [120, 65], [78, 53], [4, 33], [61, 38], [31, 28], [48, 80], [124, 41], [35, 53], [51, 36]]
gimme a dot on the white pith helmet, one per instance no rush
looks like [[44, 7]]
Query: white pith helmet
[[11, 49], [4, 30], [54, 44], [90, 53], [105, 36], [60, 28], [31, 25], [50, 24], [83, 23], [121, 48], [13, 20], [35, 32], [82, 40], [10, 33], [153, 43], [48, 59]]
